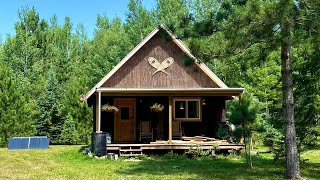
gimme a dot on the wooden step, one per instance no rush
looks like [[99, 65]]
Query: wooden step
[[130, 150], [130, 155]]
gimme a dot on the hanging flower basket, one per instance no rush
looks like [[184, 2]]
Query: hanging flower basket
[[109, 108], [156, 107]]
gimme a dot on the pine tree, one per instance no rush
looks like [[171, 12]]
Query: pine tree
[[69, 134], [269, 24], [244, 113], [49, 123], [17, 109]]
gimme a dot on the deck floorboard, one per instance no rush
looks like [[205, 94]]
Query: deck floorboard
[[175, 146]]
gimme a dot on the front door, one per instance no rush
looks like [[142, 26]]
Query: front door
[[125, 120]]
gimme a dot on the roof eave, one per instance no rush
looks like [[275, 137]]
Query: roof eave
[[181, 91]]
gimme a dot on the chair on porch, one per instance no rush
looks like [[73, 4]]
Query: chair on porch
[[176, 130], [146, 131]]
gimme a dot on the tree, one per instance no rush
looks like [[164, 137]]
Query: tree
[[268, 24], [49, 123], [75, 112], [139, 22], [107, 48], [306, 74], [244, 113], [292, 155], [24, 51], [69, 134], [17, 109], [174, 14]]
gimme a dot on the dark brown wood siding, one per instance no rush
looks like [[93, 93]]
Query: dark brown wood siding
[[137, 72]]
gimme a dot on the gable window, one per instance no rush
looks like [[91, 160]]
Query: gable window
[[187, 109]]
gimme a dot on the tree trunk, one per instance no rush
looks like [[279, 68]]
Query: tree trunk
[[249, 160], [292, 160]]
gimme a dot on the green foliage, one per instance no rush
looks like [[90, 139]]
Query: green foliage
[[139, 22], [172, 13], [108, 47], [272, 137], [76, 110], [238, 40], [197, 151], [244, 114], [69, 134], [244, 110], [307, 85], [17, 108], [222, 131], [49, 123], [187, 60]]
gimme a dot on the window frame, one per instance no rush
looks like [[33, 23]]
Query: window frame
[[186, 100]]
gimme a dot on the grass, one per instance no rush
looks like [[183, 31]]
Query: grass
[[67, 162]]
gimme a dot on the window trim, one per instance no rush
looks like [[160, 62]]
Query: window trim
[[186, 99]]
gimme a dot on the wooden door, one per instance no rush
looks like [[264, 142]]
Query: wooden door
[[125, 120]]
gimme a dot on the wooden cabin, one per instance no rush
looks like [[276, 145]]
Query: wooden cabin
[[162, 70]]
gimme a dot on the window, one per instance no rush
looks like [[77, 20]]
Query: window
[[124, 113], [187, 109]]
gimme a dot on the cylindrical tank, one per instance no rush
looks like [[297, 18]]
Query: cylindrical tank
[[99, 145]]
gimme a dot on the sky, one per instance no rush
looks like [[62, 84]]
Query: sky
[[80, 11]]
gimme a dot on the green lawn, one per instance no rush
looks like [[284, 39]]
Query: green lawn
[[67, 162]]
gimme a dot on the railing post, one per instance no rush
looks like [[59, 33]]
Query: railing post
[[170, 120], [98, 112]]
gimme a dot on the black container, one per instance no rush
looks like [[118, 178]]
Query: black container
[[99, 145]]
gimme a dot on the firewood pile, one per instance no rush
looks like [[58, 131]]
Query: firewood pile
[[202, 139]]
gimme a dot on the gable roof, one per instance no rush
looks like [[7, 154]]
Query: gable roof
[[177, 41]]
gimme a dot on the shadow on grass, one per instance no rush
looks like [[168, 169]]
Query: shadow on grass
[[205, 168], [172, 166], [310, 170]]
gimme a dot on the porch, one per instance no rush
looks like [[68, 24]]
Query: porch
[[187, 114], [177, 146]]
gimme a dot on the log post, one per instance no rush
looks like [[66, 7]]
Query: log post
[[170, 120], [98, 112]]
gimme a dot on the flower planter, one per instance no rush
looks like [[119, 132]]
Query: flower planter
[[108, 108], [157, 110], [156, 107]]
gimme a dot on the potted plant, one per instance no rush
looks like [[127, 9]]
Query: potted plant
[[156, 107], [109, 108]]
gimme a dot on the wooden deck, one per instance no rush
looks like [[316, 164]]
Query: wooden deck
[[176, 145]]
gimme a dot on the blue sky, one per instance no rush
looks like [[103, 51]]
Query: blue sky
[[80, 11]]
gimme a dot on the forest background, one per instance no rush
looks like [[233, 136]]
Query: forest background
[[46, 66]]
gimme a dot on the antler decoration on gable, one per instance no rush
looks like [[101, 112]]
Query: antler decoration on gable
[[160, 67]]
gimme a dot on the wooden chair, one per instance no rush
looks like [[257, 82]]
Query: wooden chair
[[176, 130], [146, 131]]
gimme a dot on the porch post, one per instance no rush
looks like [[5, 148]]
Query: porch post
[[98, 112], [170, 120]]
